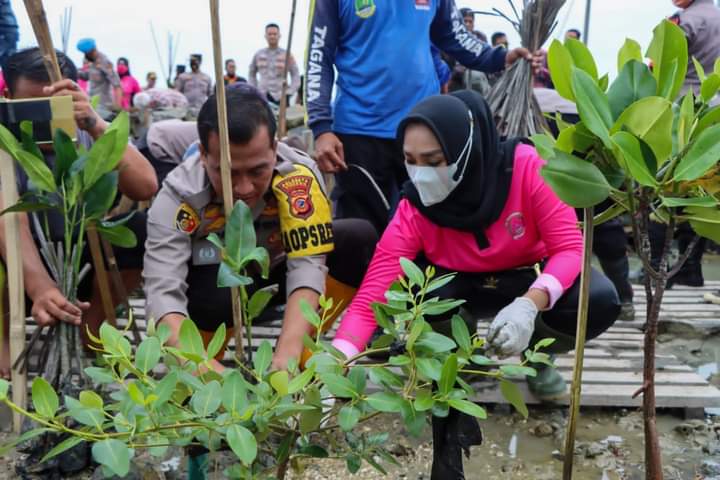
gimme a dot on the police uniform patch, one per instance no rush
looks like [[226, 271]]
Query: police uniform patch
[[297, 189], [186, 219], [213, 218], [305, 213]]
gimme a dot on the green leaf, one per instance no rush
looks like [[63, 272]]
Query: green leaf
[[592, 104], [339, 386], [260, 256], [260, 299], [412, 272], [634, 82], [430, 368], [239, 232], [703, 154], [709, 87], [207, 400], [299, 382], [513, 395], [217, 342], [650, 119], [353, 462], [448, 375], [263, 358], [36, 170], [91, 399], [100, 198], [148, 354], [66, 444], [358, 377], [699, 69], [4, 386], [518, 371], [27, 207], [712, 117], [423, 400], [686, 119], [634, 153], [65, 154], [560, 62], [190, 339], [461, 334], [582, 58], [669, 53], [673, 202], [417, 328], [44, 398], [578, 183], [243, 443], [99, 159], [468, 407], [113, 455], [545, 145], [440, 307], [228, 278], [92, 417], [165, 388], [705, 222], [440, 282], [544, 343], [482, 360], [7, 447], [383, 376], [119, 235], [234, 393], [8, 142], [630, 50], [435, 342], [99, 375], [280, 382], [28, 142], [310, 314], [348, 417], [386, 402]]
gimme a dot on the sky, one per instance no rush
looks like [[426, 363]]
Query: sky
[[122, 28]]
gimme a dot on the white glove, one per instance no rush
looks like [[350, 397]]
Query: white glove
[[513, 327]]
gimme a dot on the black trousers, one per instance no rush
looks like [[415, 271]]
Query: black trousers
[[370, 188], [209, 306], [684, 235], [486, 294]]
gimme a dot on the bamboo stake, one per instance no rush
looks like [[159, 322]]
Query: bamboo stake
[[36, 12], [225, 160], [583, 305], [15, 282], [282, 128]]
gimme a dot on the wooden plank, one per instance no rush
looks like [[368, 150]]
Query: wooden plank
[[16, 289]]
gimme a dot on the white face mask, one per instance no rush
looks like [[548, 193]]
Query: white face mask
[[435, 184]]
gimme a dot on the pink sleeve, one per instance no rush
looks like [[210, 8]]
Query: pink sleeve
[[559, 231], [136, 86], [401, 239]]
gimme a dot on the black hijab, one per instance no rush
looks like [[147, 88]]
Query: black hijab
[[479, 199]]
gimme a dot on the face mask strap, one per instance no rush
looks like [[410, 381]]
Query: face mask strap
[[467, 150]]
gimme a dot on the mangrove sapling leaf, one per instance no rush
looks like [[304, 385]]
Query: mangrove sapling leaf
[[119, 235], [65, 154], [630, 50], [435, 342], [112, 454], [26, 137], [44, 398], [260, 299], [439, 282], [604, 82], [423, 400], [634, 82], [461, 334], [578, 183], [228, 278], [37, 171], [100, 198], [260, 256], [702, 155], [415, 421], [669, 54], [561, 62], [517, 371], [650, 119], [280, 382], [705, 221], [263, 358], [387, 402], [234, 393], [448, 375], [27, 207], [148, 354], [511, 392], [468, 407], [582, 58], [412, 272], [338, 385], [686, 120], [543, 343], [592, 104], [96, 161], [240, 237], [91, 399], [8, 142], [299, 382], [544, 144], [190, 339], [699, 69], [438, 307], [712, 117], [348, 417], [429, 368], [482, 360], [637, 156], [673, 202], [358, 377], [207, 400], [99, 375], [383, 376], [709, 87], [310, 314], [66, 444], [217, 342], [92, 417], [165, 388]]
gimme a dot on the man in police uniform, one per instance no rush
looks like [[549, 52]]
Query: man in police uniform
[[287, 196]]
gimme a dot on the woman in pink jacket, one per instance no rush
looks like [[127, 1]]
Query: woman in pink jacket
[[478, 206]]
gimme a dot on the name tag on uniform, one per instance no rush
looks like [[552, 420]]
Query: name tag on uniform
[[205, 253]]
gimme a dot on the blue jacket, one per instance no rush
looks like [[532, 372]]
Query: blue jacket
[[382, 52]]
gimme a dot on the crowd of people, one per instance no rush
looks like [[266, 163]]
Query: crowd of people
[[417, 174]]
